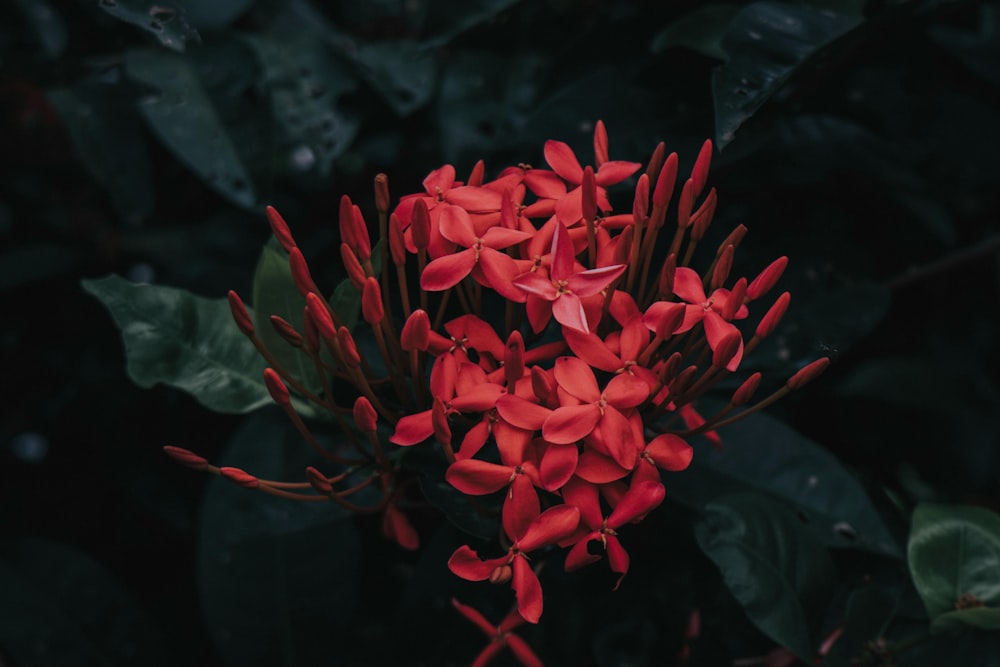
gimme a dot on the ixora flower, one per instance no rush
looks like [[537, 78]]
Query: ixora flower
[[560, 346]]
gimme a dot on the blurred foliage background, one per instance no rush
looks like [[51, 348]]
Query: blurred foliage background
[[857, 137]]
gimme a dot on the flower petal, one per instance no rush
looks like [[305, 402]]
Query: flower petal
[[522, 651], [527, 590], [597, 468], [537, 284], [549, 527], [563, 161], [688, 285], [447, 271], [413, 429], [640, 499], [615, 171], [626, 391], [520, 507], [479, 399], [593, 281], [717, 330], [477, 478], [591, 349], [466, 564], [521, 412], [570, 423], [670, 452], [557, 466], [577, 379], [456, 225]]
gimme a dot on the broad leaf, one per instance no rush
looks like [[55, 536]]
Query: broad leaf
[[761, 453], [61, 607], [954, 556], [767, 42], [869, 611], [277, 578], [185, 341], [164, 19], [183, 117], [700, 30], [772, 564]]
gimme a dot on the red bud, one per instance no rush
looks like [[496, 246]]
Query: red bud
[[364, 415], [300, 272], [186, 457], [735, 299], [348, 348], [746, 390], [808, 373], [280, 229], [734, 239], [416, 332], [722, 268], [600, 143], [275, 387], [477, 175], [420, 225], [355, 272], [286, 331], [589, 194], [397, 242], [382, 193], [241, 477], [767, 278], [543, 385], [665, 284], [320, 316], [770, 321], [699, 174], [702, 218], [311, 337], [240, 314], [683, 381], [656, 161], [371, 302], [665, 182], [346, 218], [670, 321], [726, 349], [363, 243], [640, 203], [669, 368], [501, 575], [514, 358]]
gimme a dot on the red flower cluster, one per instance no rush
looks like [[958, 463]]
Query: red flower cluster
[[571, 419]]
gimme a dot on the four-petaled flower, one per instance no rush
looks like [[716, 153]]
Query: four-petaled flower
[[501, 636]]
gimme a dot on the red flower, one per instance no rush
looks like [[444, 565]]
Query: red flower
[[561, 291], [500, 637], [549, 527]]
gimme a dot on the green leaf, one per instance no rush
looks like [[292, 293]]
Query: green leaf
[[215, 14], [61, 607], [277, 579], [184, 341], [164, 19], [275, 293], [107, 136], [305, 82], [47, 24], [954, 556], [767, 42], [700, 30], [773, 565], [183, 117], [760, 453]]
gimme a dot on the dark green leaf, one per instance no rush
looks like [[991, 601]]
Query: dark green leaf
[[954, 556], [277, 578], [450, 20], [107, 135], [275, 293], [185, 341], [404, 73], [760, 453], [700, 30], [164, 19], [305, 82], [182, 116], [215, 14], [869, 611], [772, 564], [60, 607], [47, 24], [919, 382], [767, 42]]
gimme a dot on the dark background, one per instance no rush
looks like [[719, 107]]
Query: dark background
[[859, 139]]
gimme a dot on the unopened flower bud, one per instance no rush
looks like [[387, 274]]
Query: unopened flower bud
[[300, 272], [320, 315], [319, 481], [670, 320], [241, 477], [808, 373], [371, 302], [726, 349], [670, 367], [770, 321], [355, 272], [665, 182], [746, 390], [286, 331], [767, 278], [364, 415], [382, 193], [346, 218], [699, 174], [665, 282], [348, 348], [656, 160], [420, 225], [600, 143], [240, 314], [416, 332], [722, 268], [280, 229], [186, 457], [683, 381], [275, 387], [397, 242], [685, 205], [735, 300], [311, 336], [640, 203], [543, 385], [363, 243], [734, 239], [514, 358]]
